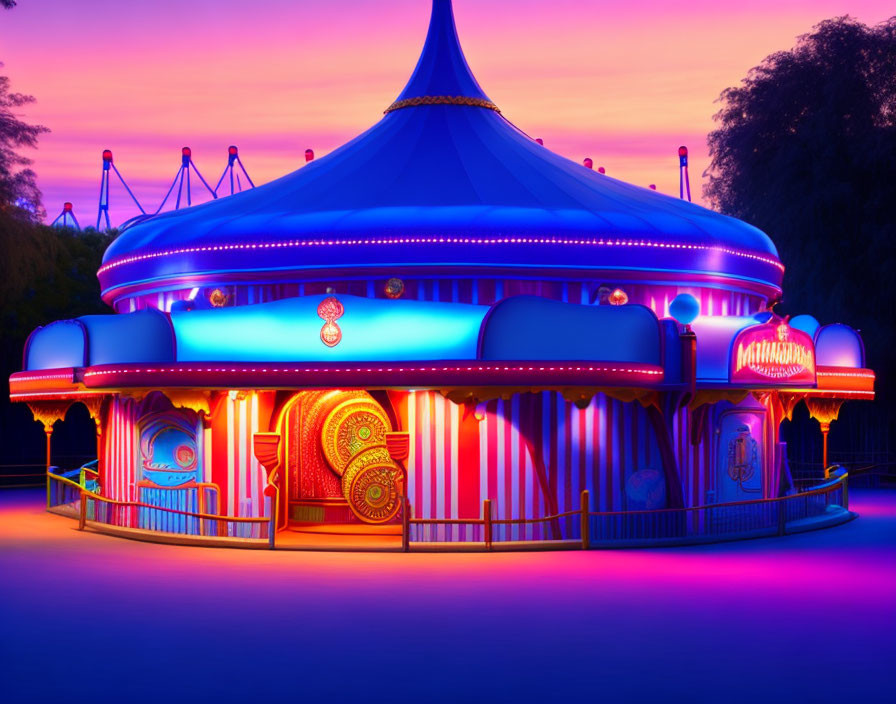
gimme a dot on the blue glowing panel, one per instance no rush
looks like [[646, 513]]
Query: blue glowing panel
[[839, 346], [290, 330], [714, 337], [530, 328], [59, 344], [807, 323]]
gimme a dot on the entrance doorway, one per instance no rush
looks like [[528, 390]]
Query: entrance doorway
[[340, 481]]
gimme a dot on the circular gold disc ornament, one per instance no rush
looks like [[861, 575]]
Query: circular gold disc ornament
[[371, 485], [352, 427]]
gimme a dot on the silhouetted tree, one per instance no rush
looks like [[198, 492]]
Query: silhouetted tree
[[18, 184], [806, 151]]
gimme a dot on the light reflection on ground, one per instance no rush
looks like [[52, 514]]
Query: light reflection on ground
[[809, 617]]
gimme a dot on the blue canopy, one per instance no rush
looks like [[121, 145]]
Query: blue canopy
[[442, 180], [370, 330]]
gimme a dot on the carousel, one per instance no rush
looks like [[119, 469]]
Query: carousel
[[445, 333]]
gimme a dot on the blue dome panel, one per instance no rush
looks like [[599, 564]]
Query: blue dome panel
[[427, 172]]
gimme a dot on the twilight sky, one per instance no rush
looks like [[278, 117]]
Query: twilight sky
[[622, 82]]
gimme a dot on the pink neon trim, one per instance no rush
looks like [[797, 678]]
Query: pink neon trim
[[74, 393], [437, 240], [318, 370], [39, 377]]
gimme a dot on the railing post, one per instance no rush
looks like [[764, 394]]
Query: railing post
[[272, 522], [406, 526], [782, 516], [586, 522], [487, 517], [845, 481], [82, 518]]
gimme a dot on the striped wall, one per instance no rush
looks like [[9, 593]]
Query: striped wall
[[485, 291], [235, 470], [455, 462], [531, 455], [695, 462], [121, 450]]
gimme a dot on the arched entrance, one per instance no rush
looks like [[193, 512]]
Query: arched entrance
[[338, 474]]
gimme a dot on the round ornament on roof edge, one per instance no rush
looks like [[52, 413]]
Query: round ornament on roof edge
[[684, 308], [618, 298], [394, 288], [217, 298]]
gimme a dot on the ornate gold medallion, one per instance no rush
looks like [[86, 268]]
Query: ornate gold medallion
[[371, 485], [353, 426]]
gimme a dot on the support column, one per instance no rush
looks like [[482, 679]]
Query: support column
[[47, 413], [95, 408], [825, 411], [825, 429], [48, 430]]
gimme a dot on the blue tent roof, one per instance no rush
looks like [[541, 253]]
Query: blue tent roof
[[441, 181]]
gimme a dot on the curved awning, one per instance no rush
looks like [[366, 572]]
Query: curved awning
[[521, 341]]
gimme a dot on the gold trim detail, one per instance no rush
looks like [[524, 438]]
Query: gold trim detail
[[442, 100]]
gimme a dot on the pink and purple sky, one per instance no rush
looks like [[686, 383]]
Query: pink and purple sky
[[623, 83]]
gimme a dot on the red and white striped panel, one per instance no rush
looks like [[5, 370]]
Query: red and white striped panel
[[455, 462]]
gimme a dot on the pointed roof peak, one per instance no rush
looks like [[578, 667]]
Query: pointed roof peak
[[442, 74]]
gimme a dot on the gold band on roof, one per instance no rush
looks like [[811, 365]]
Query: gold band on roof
[[442, 100]]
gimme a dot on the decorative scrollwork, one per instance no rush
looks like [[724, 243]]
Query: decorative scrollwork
[[371, 485]]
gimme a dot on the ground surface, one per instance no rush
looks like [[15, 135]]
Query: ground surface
[[806, 618]]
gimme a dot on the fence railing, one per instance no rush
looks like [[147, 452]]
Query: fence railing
[[579, 528], [130, 514], [72, 498], [62, 493], [562, 527], [741, 519]]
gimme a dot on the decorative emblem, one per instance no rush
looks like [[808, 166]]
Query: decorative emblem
[[742, 457], [330, 309], [217, 298], [371, 485], [185, 456], [351, 427], [618, 298], [394, 288]]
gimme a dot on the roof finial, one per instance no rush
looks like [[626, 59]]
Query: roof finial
[[442, 75]]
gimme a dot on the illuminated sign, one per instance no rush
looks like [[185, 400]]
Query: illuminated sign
[[774, 352]]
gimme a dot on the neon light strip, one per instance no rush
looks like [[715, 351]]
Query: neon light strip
[[437, 240], [73, 393], [866, 375], [319, 370], [828, 392], [39, 377]]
